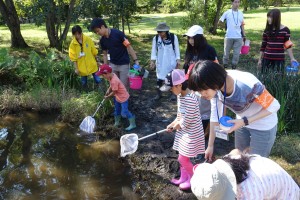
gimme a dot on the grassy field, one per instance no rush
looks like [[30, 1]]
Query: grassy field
[[287, 148]]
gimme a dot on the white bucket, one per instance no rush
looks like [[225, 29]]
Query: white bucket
[[146, 74], [247, 43]]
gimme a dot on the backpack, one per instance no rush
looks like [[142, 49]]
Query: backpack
[[172, 40]]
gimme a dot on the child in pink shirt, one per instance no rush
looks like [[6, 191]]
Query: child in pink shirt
[[120, 94]]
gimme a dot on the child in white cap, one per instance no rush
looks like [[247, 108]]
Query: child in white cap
[[189, 138]]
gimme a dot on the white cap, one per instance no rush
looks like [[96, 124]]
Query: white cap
[[214, 181], [194, 30]]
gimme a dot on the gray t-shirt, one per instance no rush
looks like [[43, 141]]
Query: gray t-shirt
[[204, 108]]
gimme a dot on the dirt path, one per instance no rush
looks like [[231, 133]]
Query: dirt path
[[155, 162]]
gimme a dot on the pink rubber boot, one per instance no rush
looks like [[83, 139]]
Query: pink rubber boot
[[187, 184], [183, 177]]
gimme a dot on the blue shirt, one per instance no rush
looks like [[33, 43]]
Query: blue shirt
[[115, 47]]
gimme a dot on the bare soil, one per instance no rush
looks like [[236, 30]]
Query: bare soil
[[155, 162]]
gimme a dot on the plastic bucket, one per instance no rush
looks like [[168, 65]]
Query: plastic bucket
[[135, 82], [146, 74], [245, 49]]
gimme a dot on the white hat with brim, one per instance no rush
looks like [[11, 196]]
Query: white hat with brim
[[214, 181], [162, 27], [194, 30]]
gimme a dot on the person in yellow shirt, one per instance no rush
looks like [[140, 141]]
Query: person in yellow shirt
[[82, 53]]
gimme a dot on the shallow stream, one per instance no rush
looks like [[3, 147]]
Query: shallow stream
[[42, 158]]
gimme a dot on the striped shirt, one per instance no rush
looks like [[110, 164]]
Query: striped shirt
[[273, 44], [267, 180], [189, 140]]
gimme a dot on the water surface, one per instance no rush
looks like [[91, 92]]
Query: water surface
[[42, 158]]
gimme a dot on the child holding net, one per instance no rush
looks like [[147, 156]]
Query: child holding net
[[189, 138]]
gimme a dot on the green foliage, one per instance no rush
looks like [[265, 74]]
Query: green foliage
[[6, 60], [75, 110], [89, 9], [119, 11], [172, 6], [194, 15], [147, 6], [288, 147], [286, 90], [41, 99], [50, 71]]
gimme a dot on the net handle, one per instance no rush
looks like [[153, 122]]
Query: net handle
[[98, 107], [156, 133]]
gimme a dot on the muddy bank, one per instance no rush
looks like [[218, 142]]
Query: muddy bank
[[155, 162]]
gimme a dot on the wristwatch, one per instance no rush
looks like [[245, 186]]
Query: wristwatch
[[246, 122]]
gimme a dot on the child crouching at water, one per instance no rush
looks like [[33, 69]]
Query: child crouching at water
[[189, 138], [118, 91]]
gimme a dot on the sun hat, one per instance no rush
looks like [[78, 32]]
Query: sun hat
[[162, 26], [194, 30], [214, 181], [104, 69], [175, 77]]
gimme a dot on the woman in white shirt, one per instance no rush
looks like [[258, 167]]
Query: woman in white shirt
[[165, 55]]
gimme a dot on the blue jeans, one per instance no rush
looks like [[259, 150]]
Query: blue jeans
[[260, 142], [97, 79], [122, 109]]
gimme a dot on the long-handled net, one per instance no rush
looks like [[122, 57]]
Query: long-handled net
[[129, 142], [88, 124]]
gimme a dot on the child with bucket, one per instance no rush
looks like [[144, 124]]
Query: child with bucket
[[189, 138], [118, 91]]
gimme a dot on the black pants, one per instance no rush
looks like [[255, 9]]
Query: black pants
[[272, 65], [159, 83]]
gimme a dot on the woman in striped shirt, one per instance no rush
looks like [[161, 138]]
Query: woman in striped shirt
[[189, 138], [275, 39]]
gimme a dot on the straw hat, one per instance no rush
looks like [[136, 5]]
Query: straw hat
[[214, 181], [162, 26]]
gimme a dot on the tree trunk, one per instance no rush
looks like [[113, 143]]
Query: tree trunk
[[213, 29], [50, 25], [128, 25], [205, 9], [53, 25], [123, 24], [9, 13], [63, 36]]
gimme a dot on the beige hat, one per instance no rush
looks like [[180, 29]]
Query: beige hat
[[194, 30], [162, 26], [214, 181]]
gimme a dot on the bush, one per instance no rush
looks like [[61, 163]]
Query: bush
[[75, 110], [286, 89], [288, 147]]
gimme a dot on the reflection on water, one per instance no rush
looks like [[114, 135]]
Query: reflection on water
[[45, 159]]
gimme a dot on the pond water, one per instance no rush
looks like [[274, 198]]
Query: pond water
[[42, 158]]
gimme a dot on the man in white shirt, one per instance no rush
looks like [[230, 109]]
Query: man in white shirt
[[235, 33]]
